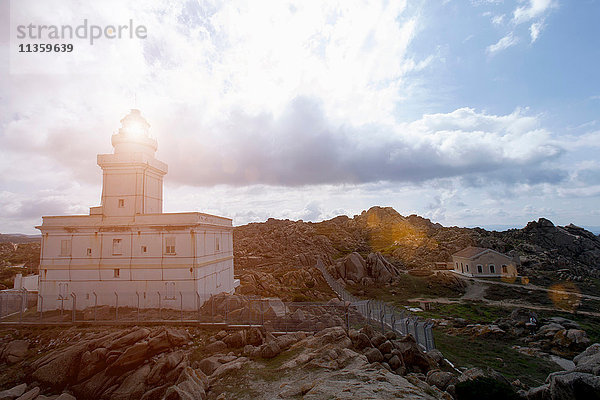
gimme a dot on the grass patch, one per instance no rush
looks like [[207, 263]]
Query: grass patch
[[269, 372], [407, 287], [589, 305], [478, 352], [547, 279], [470, 311], [236, 383], [500, 292]]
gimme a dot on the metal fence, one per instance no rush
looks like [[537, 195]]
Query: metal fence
[[16, 302], [185, 307], [384, 316], [193, 307]]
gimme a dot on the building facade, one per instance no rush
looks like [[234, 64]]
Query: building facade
[[481, 262], [127, 251]]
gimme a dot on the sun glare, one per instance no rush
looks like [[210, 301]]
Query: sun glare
[[135, 129]]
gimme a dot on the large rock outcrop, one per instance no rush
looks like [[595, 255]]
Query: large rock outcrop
[[355, 269], [581, 382]]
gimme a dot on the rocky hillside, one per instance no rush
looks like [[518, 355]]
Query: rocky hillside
[[409, 242], [19, 238], [275, 258]]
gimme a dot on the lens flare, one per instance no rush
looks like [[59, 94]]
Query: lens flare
[[565, 296]]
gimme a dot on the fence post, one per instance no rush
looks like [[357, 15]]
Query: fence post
[[116, 306], [181, 305], [198, 305], [431, 337], [23, 302], [347, 317], [212, 308], [138, 305], [262, 315], [95, 304], [285, 318], [416, 329], [41, 307], [159, 306], [428, 332], [249, 313], [74, 309]]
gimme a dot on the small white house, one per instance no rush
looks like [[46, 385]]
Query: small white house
[[482, 262], [127, 251]]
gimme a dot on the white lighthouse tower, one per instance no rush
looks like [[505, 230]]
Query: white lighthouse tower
[[126, 251], [133, 178]]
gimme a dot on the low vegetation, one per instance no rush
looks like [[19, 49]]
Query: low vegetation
[[407, 287], [497, 354]]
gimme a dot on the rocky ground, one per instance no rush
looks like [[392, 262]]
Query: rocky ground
[[377, 254], [556, 335], [190, 363]]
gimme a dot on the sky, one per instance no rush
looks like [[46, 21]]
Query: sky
[[470, 113]]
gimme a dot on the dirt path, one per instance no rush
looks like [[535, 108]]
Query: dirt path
[[505, 304], [475, 291], [521, 286], [531, 287]]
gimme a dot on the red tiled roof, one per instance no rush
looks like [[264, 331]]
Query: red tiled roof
[[470, 252]]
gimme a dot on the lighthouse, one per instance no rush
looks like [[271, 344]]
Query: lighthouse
[[127, 252]]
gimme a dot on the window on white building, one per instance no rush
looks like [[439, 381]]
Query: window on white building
[[117, 273], [121, 203], [505, 269], [217, 244], [117, 247], [144, 249], [170, 245], [480, 269], [89, 251], [169, 290], [492, 269], [65, 247], [467, 265]]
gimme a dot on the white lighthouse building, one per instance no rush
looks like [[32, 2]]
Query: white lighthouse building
[[127, 251]]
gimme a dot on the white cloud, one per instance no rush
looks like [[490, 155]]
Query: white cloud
[[498, 19], [587, 140], [502, 44], [534, 9], [535, 29], [272, 109]]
